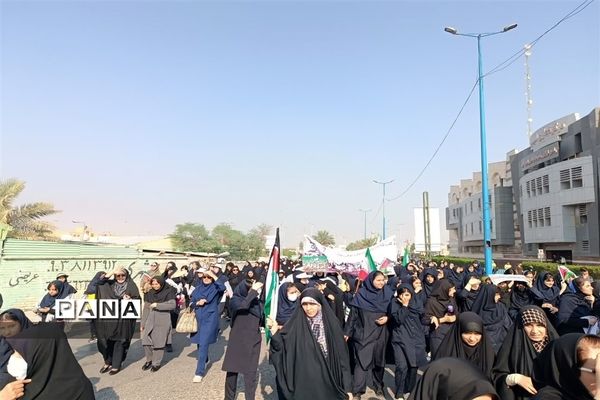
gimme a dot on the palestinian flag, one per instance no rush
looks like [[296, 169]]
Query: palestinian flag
[[566, 274], [387, 267], [272, 285]]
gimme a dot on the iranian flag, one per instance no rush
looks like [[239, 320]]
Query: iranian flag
[[566, 274], [362, 275], [272, 285]]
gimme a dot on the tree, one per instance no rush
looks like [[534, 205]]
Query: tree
[[325, 238], [362, 244], [288, 253], [192, 237], [25, 219]]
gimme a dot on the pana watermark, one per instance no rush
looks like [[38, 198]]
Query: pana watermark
[[98, 309]]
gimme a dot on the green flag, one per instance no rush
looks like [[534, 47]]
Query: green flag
[[372, 265]]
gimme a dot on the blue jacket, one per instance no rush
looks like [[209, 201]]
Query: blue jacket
[[207, 315]]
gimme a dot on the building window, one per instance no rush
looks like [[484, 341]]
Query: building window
[[471, 205], [520, 190], [546, 184], [528, 188], [585, 245], [479, 226], [472, 231], [491, 225], [547, 217], [576, 177], [565, 179], [530, 218], [538, 185], [479, 204], [578, 145]]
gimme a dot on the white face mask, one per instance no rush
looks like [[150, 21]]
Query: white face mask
[[17, 367], [292, 297]]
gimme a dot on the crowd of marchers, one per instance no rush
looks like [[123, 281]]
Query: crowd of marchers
[[449, 332]]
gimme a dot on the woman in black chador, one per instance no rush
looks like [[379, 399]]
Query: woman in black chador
[[309, 353], [367, 328], [468, 340], [440, 312], [530, 334], [114, 335], [494, 314], [453, 379]]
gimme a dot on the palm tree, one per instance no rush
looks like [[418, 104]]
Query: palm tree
[[325, 238], [25, 219]]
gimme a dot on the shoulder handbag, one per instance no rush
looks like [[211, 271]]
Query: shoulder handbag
[[187, 321]]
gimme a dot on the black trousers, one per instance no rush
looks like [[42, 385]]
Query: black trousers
[[250, 383], [93, 329], [405, 376], [113, 352], [360, 378]]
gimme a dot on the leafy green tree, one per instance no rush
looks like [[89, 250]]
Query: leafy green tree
[[325, 238], [25, 220], [289, 253], [191, 237], [362, 244]]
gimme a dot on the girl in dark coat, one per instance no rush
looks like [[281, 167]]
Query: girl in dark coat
[[114, 335], [493, 313], [440, 312], [468, 340], [453, 379], [366, 327], [56, 291], [334, 296], [243, 348], [566, 369], [205, 301], [309, 354], [408, 338], [546, 294], [575, 309], [156, 321], [51, 365], [531, 333]]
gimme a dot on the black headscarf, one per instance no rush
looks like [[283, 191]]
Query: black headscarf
[[49, 301], [302, 370], [237, 302], [455, 277], [519, 298], [369, 298], [481, 355], [91, 289], [544, 293], [164, 294], [51, 365], [5, 349], [452, 379], [428, 287], [438, 302], [485, 305], [116, 329], [285, 307], [556, 371], [517, 354]]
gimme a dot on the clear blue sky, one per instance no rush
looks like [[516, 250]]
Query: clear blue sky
[[135, 116]]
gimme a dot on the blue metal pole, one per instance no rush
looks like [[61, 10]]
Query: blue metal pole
[[487, 237], [384, 211]]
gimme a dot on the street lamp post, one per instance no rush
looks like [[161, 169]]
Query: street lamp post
[[487, 237], [383, 204], [365, 212], [83, 230]]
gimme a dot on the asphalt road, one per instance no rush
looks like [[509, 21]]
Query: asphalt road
[[174, 379]]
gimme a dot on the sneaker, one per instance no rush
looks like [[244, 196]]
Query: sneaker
[[197, 379], [93, 340]]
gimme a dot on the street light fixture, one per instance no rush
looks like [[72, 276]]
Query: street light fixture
[[487, 237], [83, 230], [365, 211], [383, 203]]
